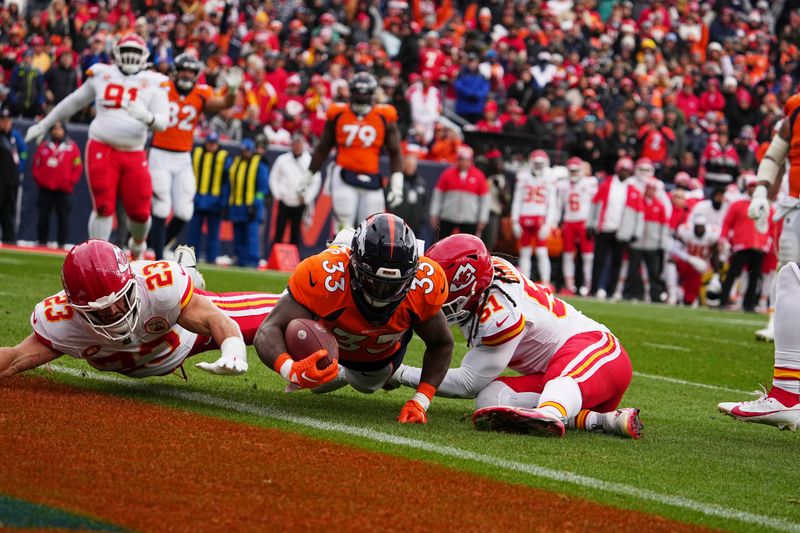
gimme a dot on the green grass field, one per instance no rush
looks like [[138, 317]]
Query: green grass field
[[693, 464]]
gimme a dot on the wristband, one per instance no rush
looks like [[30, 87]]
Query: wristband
[[424, 395], [283, 365], [234, 347]]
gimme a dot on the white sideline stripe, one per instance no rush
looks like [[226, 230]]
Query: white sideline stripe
[[448, 451], [690, 383], [667, 346]]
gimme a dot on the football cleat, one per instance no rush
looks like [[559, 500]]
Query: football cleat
[[184, 256], [767, 334], [517, 420], [764, 410], [623, 422]]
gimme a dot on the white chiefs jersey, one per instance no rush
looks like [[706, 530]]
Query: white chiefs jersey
[[535, 196], [108, 88], [157, 346], [576, 198], [714, 217], [544, 321], [698, 246]]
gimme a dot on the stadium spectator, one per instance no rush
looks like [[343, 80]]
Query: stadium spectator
[[425, 102], [414, 206], [249, 181], [211, 165], [289, 188], [27, 88], [649, 248], [13, 156], [471, 89], [57, 167], [461, 199], [62, 79]]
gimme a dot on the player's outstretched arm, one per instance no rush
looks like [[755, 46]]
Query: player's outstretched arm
[[26, 355], [771, 166], [70, 105], [435, 333], [233, 80], [201, 316]]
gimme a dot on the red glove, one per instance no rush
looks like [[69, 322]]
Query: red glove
[[412, 413], [415, 409], [305, 373]]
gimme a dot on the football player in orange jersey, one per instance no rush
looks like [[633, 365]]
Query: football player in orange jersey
[[372, 295], [359, 130], [170, 158]]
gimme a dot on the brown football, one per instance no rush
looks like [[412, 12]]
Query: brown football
[[304, 336]]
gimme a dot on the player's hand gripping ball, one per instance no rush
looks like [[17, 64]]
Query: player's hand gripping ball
[[305, 337]]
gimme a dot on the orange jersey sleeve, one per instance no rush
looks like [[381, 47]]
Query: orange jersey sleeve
[[184, 112], [359, 140], [321, 283]]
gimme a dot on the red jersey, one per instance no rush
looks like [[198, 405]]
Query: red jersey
[[321, 283], [655, 142], [359, 140], [184, 112]]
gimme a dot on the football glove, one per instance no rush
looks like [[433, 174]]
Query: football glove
[[305, 373], [395, 195], [516, 229], [412, 413], [36, 133], [230, 365], [233, 79], [544, 232], [139, 111], [759, 204]]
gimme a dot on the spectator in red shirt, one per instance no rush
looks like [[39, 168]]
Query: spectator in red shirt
[[712, 99], [56, 169], [656, 139], [490, 121], [687, 101]]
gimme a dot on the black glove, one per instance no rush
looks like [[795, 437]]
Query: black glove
[[251, 212]]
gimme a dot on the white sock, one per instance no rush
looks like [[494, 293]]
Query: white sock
[[569, 269], [139, 230], [100, 227], [543, 263], [525, 260], [588, 260], [671, 280], [561, 397], [586, 420]]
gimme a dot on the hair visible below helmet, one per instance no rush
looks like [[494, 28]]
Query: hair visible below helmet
[[469, 270], [383, 261], [362, 92], [186, 62], [95, 275], [539, 160], [130, 54]]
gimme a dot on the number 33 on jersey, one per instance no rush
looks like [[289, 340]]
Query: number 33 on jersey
[[184, 112], [321, 283]]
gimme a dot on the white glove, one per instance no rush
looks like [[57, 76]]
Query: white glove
[[395, 194], [139, 111], [233, 79], [36, 133], [516, 229], [698, 264], [227, 365], [759, 204], [544, 232]]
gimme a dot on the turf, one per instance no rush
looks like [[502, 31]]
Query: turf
[[689, 450]]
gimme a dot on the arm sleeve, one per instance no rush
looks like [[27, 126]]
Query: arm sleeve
[[70, 105], [480, 366], [160, 109]]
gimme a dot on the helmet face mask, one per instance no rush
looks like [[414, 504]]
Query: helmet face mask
[[130, 54], [384, 261], [574, 168], [119, 325], [187, 68], [362, 93], [539, 161], [469, 270]]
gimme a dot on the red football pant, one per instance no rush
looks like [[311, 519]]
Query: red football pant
[[691, 280], [574, 233], [247, 309], [530, 231], [113, 172], [595, 360]]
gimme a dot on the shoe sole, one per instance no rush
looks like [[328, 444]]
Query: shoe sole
[[634, 426], [511, 422], [788, 426]]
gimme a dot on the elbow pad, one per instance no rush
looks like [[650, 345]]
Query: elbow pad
[[771, 164]]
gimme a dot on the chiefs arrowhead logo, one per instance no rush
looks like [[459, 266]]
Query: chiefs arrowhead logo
[[463, 278]]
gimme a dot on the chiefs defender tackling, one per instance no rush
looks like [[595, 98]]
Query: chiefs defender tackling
[[129, 102], [574, 370], [139, 319], [372, 291], [170, 160]]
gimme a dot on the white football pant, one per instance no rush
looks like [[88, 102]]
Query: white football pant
[[174, 184], [351, 204]]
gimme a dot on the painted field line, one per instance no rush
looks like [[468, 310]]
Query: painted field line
[[691, 383], [447, 451], [667, 346]]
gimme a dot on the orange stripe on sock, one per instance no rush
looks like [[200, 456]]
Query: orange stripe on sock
[[580, 420], [561, 409], [786, 373]]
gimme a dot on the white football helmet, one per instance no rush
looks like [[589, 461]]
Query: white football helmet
[[539, 161], [130, 54]]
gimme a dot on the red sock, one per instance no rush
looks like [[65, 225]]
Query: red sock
[[787, 398]]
